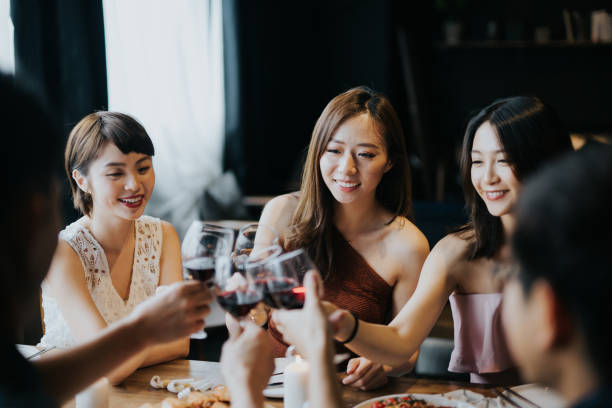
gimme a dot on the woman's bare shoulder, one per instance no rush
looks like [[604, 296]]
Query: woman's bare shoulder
[[284, 201], [65, 254], [453, 250], [168, 231], [65, 265], [406, 238], [279, 211]]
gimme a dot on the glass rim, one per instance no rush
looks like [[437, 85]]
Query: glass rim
[[259, 262], [288, 255], [209, 225], [257, 225]]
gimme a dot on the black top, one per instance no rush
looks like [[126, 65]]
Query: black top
[[20, 383]]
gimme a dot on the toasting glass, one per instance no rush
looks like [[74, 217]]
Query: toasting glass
[[257, 267], [202, 246], [286, 277], [252, 237], [237, 293]]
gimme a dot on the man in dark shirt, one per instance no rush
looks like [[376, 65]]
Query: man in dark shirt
[[557, 310], [29, 216]]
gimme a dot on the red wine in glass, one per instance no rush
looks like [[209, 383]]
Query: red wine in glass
[[267, 298], [239, 304], [286, 293], [202, 269]]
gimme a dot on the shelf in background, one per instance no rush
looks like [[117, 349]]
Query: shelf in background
[[521, 44]]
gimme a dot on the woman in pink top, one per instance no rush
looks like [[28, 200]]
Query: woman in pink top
[[503, 144]]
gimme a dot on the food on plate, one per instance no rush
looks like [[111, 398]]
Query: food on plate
[[405, 401], [217, 397], [157, 382], [222, 393], [172, 402]]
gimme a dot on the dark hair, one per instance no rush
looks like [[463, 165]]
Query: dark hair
[[31, 161], [87, 139], [312, 221], [530, 133], [31, 144], [564, 235]]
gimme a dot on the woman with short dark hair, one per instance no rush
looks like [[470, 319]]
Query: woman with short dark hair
[[114, 257]]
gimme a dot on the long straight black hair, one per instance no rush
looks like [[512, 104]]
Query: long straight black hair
[[531, 134]]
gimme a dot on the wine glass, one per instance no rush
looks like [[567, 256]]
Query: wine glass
[[252, 237], [237, 293], [257, 267], [201, 247], [286, 277]]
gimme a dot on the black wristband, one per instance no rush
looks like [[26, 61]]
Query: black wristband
[[354, 332]]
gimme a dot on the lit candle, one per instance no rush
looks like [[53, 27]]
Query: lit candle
[[95, 396], [296, 383]]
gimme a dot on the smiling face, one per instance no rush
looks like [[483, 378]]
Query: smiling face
[[120, 184], [492, 175], [354, 160]]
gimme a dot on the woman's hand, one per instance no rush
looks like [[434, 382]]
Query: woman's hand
[[364, 374], [341, 322], [246, 364], [175, 312], [307, 329]]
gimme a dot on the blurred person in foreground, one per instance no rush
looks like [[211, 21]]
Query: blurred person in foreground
[[557, 310], [30, 220]]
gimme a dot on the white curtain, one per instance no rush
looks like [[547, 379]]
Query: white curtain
[[7, 48], [165, 67]]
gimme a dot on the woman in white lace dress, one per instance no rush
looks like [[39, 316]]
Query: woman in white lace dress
[[113, 257]]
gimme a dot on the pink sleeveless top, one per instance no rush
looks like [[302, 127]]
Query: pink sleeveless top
[[480, 346]]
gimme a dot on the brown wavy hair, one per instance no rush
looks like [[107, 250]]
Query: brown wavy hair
[[312, 223]]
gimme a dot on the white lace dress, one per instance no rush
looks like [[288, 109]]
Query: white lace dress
[[145, 278]]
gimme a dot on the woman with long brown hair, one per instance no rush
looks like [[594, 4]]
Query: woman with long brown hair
[[353, 213]]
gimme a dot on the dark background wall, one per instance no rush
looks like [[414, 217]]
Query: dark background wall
[[294, 57]]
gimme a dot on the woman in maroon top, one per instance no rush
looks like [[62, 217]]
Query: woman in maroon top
[[353, 215]]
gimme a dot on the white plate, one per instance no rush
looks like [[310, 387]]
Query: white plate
[[279, 367], [544, 397], [429, 398], [274, 392], [280, 364]]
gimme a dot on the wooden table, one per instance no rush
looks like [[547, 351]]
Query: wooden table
[[135, 390]]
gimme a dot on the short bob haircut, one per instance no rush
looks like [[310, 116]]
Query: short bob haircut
[[531, 134], [87, 139], [312, 221]]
